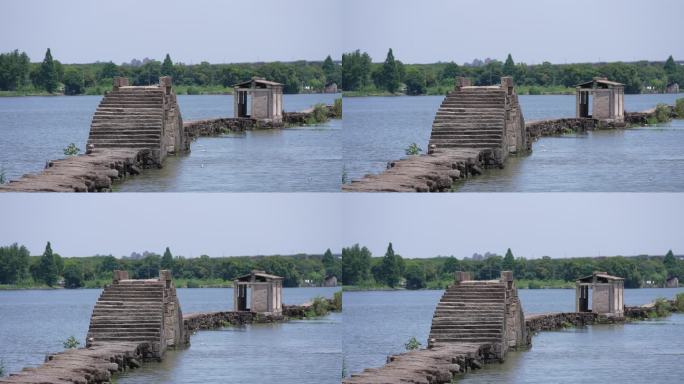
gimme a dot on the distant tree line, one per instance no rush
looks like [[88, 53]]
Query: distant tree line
[[19, 268], [361, 74], [18, 73], [360, 268]]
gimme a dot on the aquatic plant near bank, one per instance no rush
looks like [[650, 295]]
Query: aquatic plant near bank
[[318, 115], [337, 108], [679, 108], [71, 343], [412, 344], [71, 150], [662, 114], [679, 302], [2, 175], [661, 308], [337, 302], [2, 368], [319, 307], [413, 149]]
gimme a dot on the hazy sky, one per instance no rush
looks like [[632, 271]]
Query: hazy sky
[[419, 31], [190, 31], [532, 31], [533, 225]]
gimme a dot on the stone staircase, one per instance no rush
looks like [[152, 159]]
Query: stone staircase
[[470, 312], [472, 117], [143, 311], [487, 312], [138, 117], [480, 117]]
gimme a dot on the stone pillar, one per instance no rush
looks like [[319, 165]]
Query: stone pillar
[[507, 84], [119, 275], [461, 82], [165, 277], [166, 82], [460, 276], [120, 82]]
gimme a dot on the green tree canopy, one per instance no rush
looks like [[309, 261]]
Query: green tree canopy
[[509, 66], [167, 66], [167, 260], [74, 82], [48, 75], [47, 270], [670, 66], [415, 82], [14, 264], [391, 76], [508, 261], [391, 268], [14, 70], [356, 263], [670, 263], [356, 70]]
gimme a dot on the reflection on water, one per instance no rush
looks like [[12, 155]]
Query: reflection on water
[[377, 324], [36, 322], [378, 129], [34, 130]]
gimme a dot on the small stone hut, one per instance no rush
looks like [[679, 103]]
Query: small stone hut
[[672, 282], [258, 292], [607, 100], [607, 296], [259, 99]]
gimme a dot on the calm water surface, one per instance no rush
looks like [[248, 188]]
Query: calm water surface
[[377, 324], [377, 129], [34, 130], [34, 323]]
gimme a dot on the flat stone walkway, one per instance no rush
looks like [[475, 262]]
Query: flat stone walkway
[[439, 364], [92, 365], [93, 172], [435, 172]]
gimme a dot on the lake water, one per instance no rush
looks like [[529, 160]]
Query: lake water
[[377, 324], [648, 159], [36, 322], [34, 130]]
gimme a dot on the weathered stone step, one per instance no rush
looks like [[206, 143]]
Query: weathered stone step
[[436, 333], [126, 118], [471, 304], [468, 126], [125, 139], [125, 135], [459, 136], [126, 127], [466, 140], [122, 145], [468, 121], [131, 297], [470, 112], [124, 332], [467, 300], [135, 96], [100, 339], [126, 324], [495, 326], [467, 339], [125, 312], [466, 145], [135, 306]]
